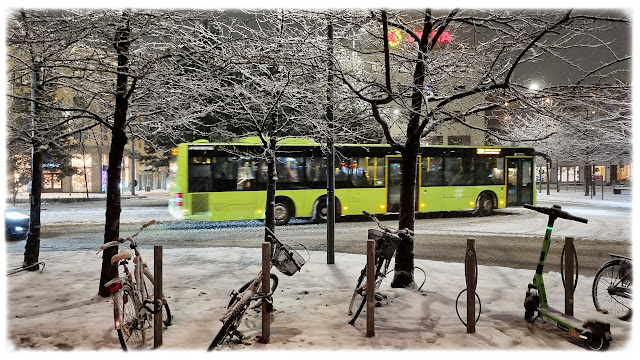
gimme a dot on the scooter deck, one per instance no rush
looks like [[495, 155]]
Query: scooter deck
[[560, 318]]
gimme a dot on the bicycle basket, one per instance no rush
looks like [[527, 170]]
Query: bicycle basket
[[287, 260], [386, 243]]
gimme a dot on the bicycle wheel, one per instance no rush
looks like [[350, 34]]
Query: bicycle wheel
[[356, 293], [378, 280], [611, 289], [224, 331], [148, 293], [132, 330]]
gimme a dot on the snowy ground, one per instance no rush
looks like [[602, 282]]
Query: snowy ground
[[58, 309]]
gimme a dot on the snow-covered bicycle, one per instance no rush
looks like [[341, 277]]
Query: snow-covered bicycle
[[287, 260], [133, 304], [386, 243]]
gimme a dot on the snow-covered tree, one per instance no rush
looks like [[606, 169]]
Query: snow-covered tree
[[257, 73], [441, 69], [40, 55], [591, 127]]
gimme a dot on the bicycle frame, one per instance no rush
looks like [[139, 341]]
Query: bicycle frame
[[132, 283], [241, 300], [626, 264], [386, 243]]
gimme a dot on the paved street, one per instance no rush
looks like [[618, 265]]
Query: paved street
[[510, 238]]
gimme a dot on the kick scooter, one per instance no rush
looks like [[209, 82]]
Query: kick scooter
[[596, 334]]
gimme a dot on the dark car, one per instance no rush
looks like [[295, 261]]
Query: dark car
[[16, 225]]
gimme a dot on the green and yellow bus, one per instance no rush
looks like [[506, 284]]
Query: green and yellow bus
[[220, 182]]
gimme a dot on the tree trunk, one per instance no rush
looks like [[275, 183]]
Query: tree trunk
[[587, 179], [118, 141], [272, 177], [403, 271], [32, 247]]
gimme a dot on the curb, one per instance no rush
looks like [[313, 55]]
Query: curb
[[64, 200]]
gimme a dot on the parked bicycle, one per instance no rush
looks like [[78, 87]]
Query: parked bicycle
[[287, 260], [386, 243], [133, 303], [611, 289]]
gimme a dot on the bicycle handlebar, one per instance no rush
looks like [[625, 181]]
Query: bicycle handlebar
[[557, 212], [130, 238], [388, 229]]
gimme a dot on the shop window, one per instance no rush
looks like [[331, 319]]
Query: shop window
[[52, 181], [81, 180]]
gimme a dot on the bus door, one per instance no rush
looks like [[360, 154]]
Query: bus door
[[520, 181], [394, 182]]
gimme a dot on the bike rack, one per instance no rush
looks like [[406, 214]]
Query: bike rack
[[471, 277], [25, 268]]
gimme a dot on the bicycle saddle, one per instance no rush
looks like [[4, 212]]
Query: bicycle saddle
[[122, 255]]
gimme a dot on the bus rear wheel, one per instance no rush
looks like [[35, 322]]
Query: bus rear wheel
[[321, 210], [485, 205], [282, 212]]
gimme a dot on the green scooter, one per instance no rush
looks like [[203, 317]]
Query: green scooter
[[596, 334]]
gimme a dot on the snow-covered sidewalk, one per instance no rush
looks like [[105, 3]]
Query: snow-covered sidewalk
[[59, 309], [576, 196]]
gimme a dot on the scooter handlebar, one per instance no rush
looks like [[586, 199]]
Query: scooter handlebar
[[557, 211]]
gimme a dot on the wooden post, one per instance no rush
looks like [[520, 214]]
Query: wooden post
[[266, 287], [157, 296], [371, 287], [569, 255], [470, 262]]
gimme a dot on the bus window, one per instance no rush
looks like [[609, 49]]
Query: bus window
[[489, 170], [353, 172], [260, 174], [290, 172], [375, 172], [459, 171], [199, 177], [246, 178], [432, 171], [224, 173], [316, 172]]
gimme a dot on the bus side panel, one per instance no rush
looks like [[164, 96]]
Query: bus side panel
[[247, 205], [303, 200], [459, 198], [238, 205], [431, 199], [465, 197], [355, 200], [178, 182]]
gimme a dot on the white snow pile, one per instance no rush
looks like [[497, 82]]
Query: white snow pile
[[58, 309]]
